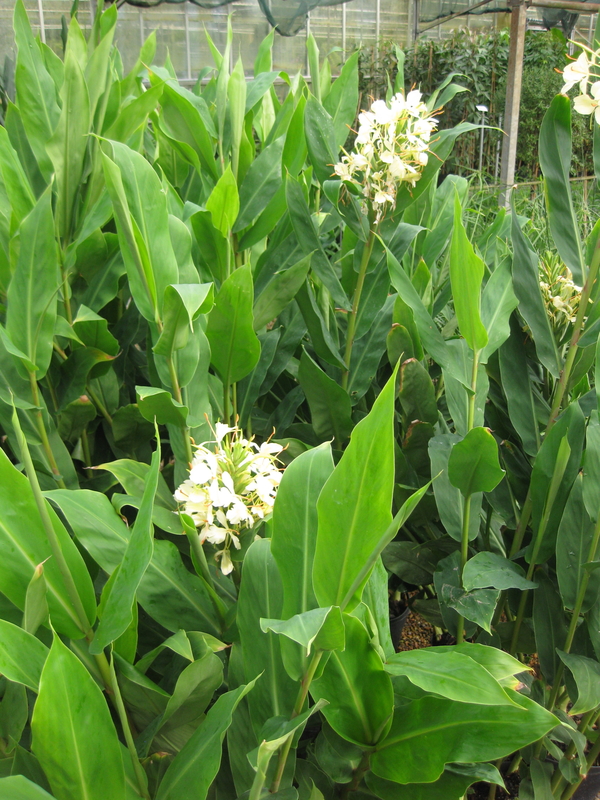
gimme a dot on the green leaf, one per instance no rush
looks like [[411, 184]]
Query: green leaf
[[466, 274], [492, 570], [183, 304], [261, 596], [514, 372], [194, 768], [69, 143], [19, 788], [309, 241], [473, 465], [320, 139], [330, 405], [526, 284], [36, 605], [586, 674], [182, 120], [477, 605], [547, 499], [358, 690], [140, 209], [500, 664], [591, 467], [417, 393], [573, 547], [342, 100], [70, 705], [451, 674], [36, 92], [24, 545], [168, 592], [294, 536], [117, 614], [429, 733], [16, 184], [213, 246], [555, 160], [549, 624], [321, 338], [321, 628], [279, 292], [452, 785], [224, 202], [354, 506], [498, 301], [260, 183], [32, 294], [22, 656], [235, 348]]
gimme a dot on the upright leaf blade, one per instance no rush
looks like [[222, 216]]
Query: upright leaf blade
[[69, 706], [117, 613], [354, 507]]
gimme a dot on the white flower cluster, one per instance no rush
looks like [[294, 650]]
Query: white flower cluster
[[561, 295], [390, 148], [582, 71], [230, 488]]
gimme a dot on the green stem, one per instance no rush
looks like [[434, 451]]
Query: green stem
[[298, 706], [120, 707], [39, 419], [464, 556], [187, 442], [99, 404], [466, 520], [85, 446], [558, 781], [360, 281], [357, 777], [201, 566], [591, 759], [557, 476]]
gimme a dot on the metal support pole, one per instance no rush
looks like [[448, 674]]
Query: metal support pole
[[343, 32], [141, 16], [514, 79], [416, 11], [377, 29], [187, 42], [42, 24]]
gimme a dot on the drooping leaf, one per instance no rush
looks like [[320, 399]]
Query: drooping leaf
[[473, 465], [22, 656], [431, 732], [452, 675], [492, 570]]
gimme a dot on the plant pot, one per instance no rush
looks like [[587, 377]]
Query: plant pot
[[397, 626], [590, 788]]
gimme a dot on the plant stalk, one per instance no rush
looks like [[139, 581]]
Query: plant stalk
[[591, 759], [187, 442], [351, 331], [201, 565], [298, 706], [39, 419], [466, 520]]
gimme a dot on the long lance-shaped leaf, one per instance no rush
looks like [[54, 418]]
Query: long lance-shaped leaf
[[74, 736], [68, 145], [117, 612], [32, 294], [555, 160], [466, 275], [194, 768], [22, 656], [354, 508]]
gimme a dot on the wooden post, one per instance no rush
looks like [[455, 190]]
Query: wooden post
[[514, 79]]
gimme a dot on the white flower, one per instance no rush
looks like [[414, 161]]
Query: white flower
[[226, 562], [230, 488], [577, 71], [343, 171], [584, 104], [222, 430], [383, 197], [383, 114]]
